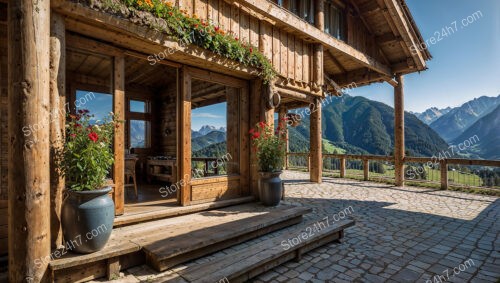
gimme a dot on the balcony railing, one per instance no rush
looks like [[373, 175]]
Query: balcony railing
[[421, 171]]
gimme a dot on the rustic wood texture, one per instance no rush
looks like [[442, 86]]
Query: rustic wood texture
[[29, 159], [179, 239], [184, 146], [119, 102], [316, 141], [399, 131], [241, 266], [58, 120]]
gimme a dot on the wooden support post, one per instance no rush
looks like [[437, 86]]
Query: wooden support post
[[281, 116], [315, 150], [443, 164], [184, 145], [366, 169], [119, 138], [58, 121], [113, 267], [319, 22], [256, 112], [399, 131], [342, 166], [28, 154]]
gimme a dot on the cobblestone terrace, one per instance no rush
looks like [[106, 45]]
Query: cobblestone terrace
[[401, 235]]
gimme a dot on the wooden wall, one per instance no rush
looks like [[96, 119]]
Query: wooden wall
[[291, 56], [166, 107], [3, 132]]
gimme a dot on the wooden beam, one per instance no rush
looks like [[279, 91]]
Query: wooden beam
[[28, 154], [403, 26], [119, 137], [184, 145], [256, 112], [399, 131], [58, 121], [387, 38], [292, 22], [316, 151]]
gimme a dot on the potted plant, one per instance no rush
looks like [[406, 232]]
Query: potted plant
[[88, 211], [270, 147]]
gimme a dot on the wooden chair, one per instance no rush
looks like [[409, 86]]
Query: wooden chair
[[130, 163]]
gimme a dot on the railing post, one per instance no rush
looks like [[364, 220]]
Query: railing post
[[309, 162], [342, 167], [365, 169], [444, 174], [286, 161]]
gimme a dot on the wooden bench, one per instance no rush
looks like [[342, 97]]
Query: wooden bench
[[255, 259]]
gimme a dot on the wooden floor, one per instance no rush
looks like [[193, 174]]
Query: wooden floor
[[166, 242]]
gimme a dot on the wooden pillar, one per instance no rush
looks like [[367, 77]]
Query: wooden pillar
[[342, 166], [58, 120], [443, 164], [256, 112], [316, 143], [366, 169], [399, 131], [29, 153], [184, 145], [119, 138], [319, 22], [281, 116]]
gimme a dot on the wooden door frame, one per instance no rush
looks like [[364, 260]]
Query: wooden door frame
[[186, 76]]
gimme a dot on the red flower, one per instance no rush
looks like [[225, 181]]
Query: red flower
[[251, 50], [73, 135], [252, 130], [256, 135], [93, 137], [78, 126], [216, 28], [236, 38], [262, 124]]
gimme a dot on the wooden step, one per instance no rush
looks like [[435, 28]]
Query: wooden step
[[255, 259], [168, 252], [124, 220], [174, 240]]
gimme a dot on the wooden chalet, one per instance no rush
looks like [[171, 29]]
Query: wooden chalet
[[58, 55]]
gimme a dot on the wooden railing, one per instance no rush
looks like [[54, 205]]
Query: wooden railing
[[454, 172]]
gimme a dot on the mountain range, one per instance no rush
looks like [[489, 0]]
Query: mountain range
[[478, 117], [357, 125]]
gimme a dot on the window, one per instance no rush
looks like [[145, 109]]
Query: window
[[98, 104], [139, 124], [302, 8], [334, 21]]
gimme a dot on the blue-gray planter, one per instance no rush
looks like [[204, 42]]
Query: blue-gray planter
[[270, 188], [87, 220]]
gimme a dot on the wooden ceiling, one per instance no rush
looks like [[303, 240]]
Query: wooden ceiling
[[97, 69], [206, 93]]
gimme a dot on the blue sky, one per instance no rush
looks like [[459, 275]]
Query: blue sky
[[465, 64], [214, 115]]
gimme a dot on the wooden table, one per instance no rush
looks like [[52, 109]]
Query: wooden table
[[161, 169]]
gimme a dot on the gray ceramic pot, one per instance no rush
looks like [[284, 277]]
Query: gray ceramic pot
[[270, 188], [87, 220]]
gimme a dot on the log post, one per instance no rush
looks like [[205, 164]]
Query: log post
[[184, 145], [119, 137], [399, 131], [315, 150], [28, 150], [342, 166], [281, 119], [443, 164], [256, 112], [366, 169], [319, 22], [58, 120]]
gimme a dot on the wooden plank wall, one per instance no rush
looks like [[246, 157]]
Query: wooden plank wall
[[3, 134], [359, 37], [166, 107], [291, 56]]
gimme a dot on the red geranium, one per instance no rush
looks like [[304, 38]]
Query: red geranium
[[93, 137]]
